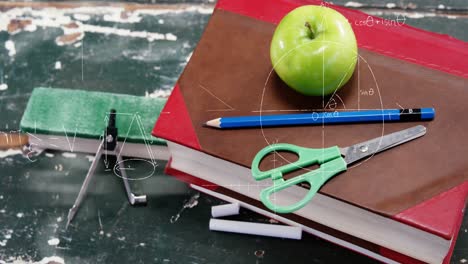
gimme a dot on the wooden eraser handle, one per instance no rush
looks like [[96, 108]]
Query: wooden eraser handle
[[12, 140]]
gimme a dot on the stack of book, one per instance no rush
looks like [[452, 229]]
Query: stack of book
[[404, 205]]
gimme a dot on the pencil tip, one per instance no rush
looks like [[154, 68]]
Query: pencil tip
[[213, 123]]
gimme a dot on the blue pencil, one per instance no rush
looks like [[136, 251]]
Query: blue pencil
[[319, 118]]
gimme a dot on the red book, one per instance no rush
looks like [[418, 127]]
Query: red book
[[404, 205]]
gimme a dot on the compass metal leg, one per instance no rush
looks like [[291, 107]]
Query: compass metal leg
[[132, 198], [84, 187]]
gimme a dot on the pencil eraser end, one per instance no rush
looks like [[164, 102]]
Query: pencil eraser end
[[427, 113]]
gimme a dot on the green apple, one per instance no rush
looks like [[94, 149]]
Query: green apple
[[314, 50]]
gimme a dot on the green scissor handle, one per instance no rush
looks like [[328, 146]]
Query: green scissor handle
[[331, 164]]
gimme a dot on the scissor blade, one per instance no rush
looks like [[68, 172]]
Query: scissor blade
[[359, 151]]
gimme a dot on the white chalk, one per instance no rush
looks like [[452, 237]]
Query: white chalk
[[53, 242], [292, 232], [10, 47], [3, 86], [225, 210]]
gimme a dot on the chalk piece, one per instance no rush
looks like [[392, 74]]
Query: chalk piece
[[225, 210], [291, 232]]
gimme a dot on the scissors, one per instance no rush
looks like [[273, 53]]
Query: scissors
[[332, 161]]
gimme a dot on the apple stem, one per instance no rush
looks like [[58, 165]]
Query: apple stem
[[307, 25]]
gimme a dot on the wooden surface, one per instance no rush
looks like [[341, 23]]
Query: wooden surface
[[36, 192], [12, 140]]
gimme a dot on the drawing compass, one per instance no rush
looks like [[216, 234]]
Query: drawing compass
[[108, 146]]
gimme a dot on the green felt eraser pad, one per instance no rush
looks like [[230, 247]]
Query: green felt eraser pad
[[84, 114]]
